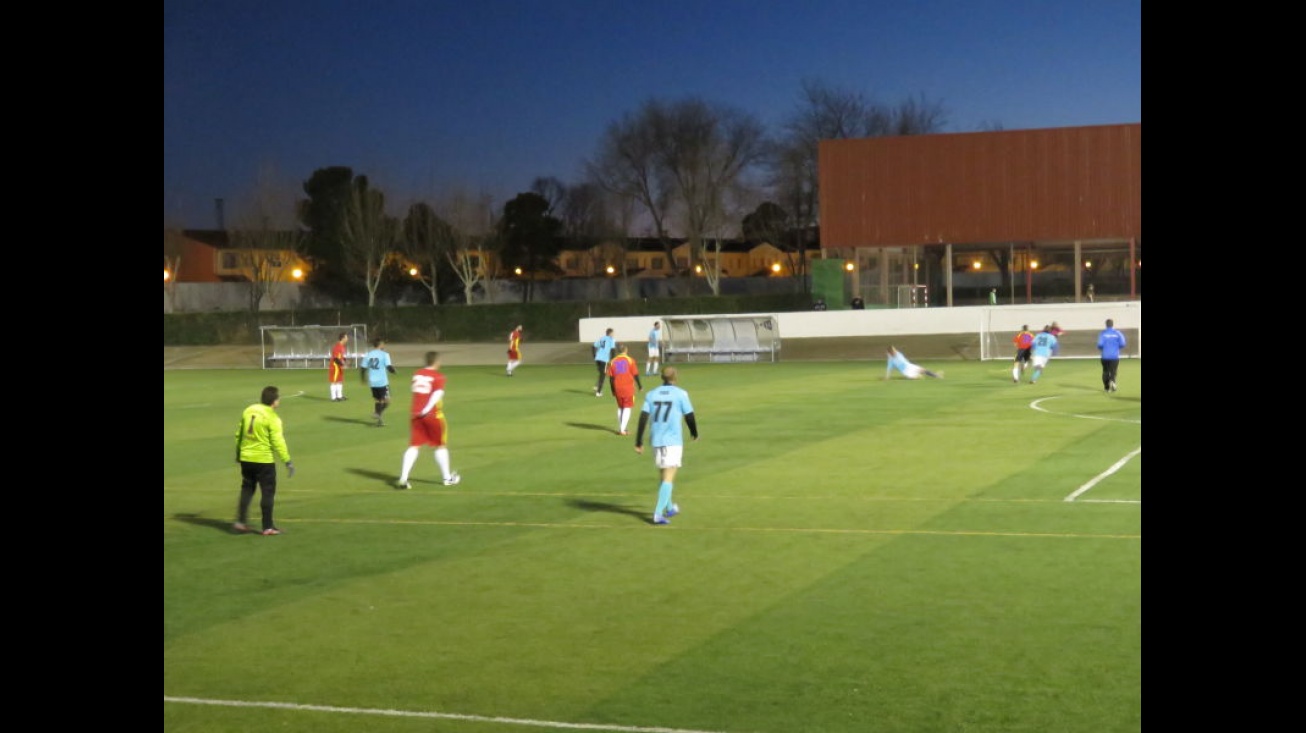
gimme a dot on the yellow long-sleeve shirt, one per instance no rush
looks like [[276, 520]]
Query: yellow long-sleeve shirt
[[260, 436]]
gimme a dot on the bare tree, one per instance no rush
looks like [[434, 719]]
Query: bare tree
[[266, 238], [472, 225], [682, 159], [826, 113], [369, 236], [427, 240], [708, 152], [626, 167], [173, 241]]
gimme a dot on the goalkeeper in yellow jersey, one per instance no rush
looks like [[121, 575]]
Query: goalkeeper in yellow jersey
[[260, 441]]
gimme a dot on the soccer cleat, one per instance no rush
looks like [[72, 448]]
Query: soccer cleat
[[271, 531], [623, 432], [403, 485], [453, 479], [240, 527], [673, 510], [661, 520], [598, 393], [1113, 385]]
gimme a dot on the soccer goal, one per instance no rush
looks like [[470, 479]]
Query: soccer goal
[[721, 338], [305, 347], [1081, 323]]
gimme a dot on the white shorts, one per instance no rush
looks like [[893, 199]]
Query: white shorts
[[668, 456], [1039, 361], [653, 351], [913, 372]]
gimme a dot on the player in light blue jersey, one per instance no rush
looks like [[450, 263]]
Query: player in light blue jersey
[[603, 348], [654, 364], [376, 369], [895, 359], [1045, 347], [664, 408]]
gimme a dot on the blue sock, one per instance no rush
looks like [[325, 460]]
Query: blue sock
[[664, 499]]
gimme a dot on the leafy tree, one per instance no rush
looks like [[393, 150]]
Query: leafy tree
[[323, 214], [771, 224], [530, 240], [369, 236]]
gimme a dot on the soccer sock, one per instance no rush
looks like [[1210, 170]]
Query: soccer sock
[[410, 457], [623, 417], [265, 502], [442, 460], [242, 509], [1015, 373], [664, 499]]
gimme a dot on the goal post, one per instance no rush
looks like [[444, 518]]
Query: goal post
[[720, 338], [1081, 323], [306, 347]]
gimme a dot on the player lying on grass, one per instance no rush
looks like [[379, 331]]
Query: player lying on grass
[[897, 360]]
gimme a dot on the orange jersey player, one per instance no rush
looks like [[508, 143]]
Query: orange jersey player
[[623, 377]]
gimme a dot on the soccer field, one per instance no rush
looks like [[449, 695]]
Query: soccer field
[[852, 555]]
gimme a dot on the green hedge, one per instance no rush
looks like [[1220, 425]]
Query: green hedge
[[461, 323]]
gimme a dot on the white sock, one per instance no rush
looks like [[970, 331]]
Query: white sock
[[410, 457], [623, 417], [442, 460]]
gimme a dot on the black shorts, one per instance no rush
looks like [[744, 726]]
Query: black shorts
[[1022, 356], [381, 394]]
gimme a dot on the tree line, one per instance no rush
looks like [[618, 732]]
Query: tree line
[[709, 171]]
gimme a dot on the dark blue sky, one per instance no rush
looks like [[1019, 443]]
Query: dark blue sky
[[486, 95]]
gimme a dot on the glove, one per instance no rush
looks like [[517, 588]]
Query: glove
[[290, 469]]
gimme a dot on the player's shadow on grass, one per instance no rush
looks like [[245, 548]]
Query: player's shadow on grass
[[603, 506], [591, 426], [223, 525], [388, 479], [353, 420], [579, 391]]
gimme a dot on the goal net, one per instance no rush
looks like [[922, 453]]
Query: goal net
[[721, 339], [304, 347], [1080, 322]]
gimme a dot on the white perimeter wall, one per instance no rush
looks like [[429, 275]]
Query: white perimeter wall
[[907, 321]]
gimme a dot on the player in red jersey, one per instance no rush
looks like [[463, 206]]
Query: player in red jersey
[[514, 349], [1023, 341], [427, 426], [623, 378], [336, 369]]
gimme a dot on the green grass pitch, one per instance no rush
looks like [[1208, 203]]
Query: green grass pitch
[[852, 555]]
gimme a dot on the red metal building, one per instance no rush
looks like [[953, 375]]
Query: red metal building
[[1006, 209]]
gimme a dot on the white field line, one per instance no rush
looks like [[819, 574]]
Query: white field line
[[1114, 467], [1094, 481], [438, 716]]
